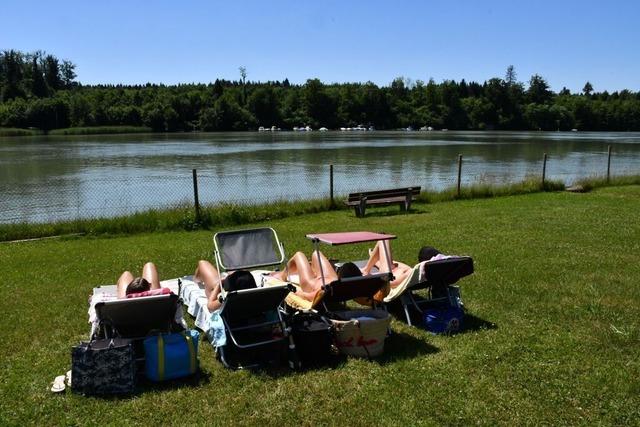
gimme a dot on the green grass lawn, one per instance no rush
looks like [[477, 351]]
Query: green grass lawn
[[553, 336]]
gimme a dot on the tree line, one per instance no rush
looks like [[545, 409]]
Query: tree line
[[38, 90]]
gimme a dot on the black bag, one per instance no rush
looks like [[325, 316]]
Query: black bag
[[313, 337], [104, 366]]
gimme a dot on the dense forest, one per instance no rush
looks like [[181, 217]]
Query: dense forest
[[37, 90]]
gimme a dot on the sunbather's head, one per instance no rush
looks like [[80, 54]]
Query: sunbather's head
[[426, 253], [239, 280], [137, 285], [348, 269]]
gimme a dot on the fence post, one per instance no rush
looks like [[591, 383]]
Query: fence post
[[608, 163], [331, 185], [195, 194], [544, 168], [459, 172]]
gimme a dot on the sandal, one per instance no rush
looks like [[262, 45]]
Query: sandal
[[58, 384]]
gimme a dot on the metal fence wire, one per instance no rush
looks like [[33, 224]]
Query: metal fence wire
[[85, 197]]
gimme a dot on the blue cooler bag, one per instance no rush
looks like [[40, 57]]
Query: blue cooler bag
[[445, 320], [169, 356]]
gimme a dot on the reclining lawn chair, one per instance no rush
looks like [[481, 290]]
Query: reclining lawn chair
[[136, 318], [351, 288], [253, 318], [438, 276]]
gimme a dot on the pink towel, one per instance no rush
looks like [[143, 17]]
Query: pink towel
[[161, 291]]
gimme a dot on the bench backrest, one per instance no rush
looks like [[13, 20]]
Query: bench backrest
[[383, 194]]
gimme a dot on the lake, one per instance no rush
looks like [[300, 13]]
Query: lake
[[50, 178]]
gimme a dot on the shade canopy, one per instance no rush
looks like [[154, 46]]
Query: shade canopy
[[345, 238]]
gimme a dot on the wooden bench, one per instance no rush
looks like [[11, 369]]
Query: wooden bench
[[401, 196]]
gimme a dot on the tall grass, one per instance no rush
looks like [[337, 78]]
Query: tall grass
[[19, 132], [594, 182], [99, 130], [229, 214]]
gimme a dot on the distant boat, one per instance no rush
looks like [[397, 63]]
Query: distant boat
[[426, 128], [323, 129], [371, 128], [574, 130], [444, 129], [261, 129]]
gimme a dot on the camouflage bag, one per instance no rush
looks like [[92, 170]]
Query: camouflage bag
[[105, 366]]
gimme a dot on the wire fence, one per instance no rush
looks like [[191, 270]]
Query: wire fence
[[87, 196]]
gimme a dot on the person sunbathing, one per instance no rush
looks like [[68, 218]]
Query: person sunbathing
[[127, 284], [377, 259], [309, 274], [207, 274]]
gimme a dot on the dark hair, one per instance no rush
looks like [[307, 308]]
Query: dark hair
[[238, 280], [427, 252], [348, 269], [137, 285]]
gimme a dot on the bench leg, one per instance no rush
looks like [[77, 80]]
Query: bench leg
[[407, 203], [363, 206], [357, 210]]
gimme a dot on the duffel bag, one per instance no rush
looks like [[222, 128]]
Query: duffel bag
[[443, 320], [169, 356]]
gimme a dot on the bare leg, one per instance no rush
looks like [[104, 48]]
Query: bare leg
[[400, 273], [209, 275], [299, 265], [150, 273], [123, 282], [318, 259], [378, 258]]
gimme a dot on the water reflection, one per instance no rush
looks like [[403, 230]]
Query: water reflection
[[49, 178]]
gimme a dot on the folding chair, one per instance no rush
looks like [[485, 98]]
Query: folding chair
[[136, 318], [439, 276], [253, 318]]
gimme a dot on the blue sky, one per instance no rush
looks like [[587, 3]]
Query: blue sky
[[567, 42]]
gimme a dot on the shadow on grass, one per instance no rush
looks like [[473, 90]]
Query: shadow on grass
[[145, 386], [473, 323], [393, 212], [401, 346], [199, 379]]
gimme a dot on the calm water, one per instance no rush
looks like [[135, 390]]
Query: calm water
[[52, 178]]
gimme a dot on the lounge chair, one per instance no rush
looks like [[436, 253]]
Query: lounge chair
[[351, 288], [253, 318], [437, 277], [136, 317]]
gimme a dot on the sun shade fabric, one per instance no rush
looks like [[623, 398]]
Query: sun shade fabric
[[249, 302], [354, 287], [336, 239], [248, 248], [448, 271], [136, 317]]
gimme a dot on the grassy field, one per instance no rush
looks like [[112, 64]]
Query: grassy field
[[552, 336]]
